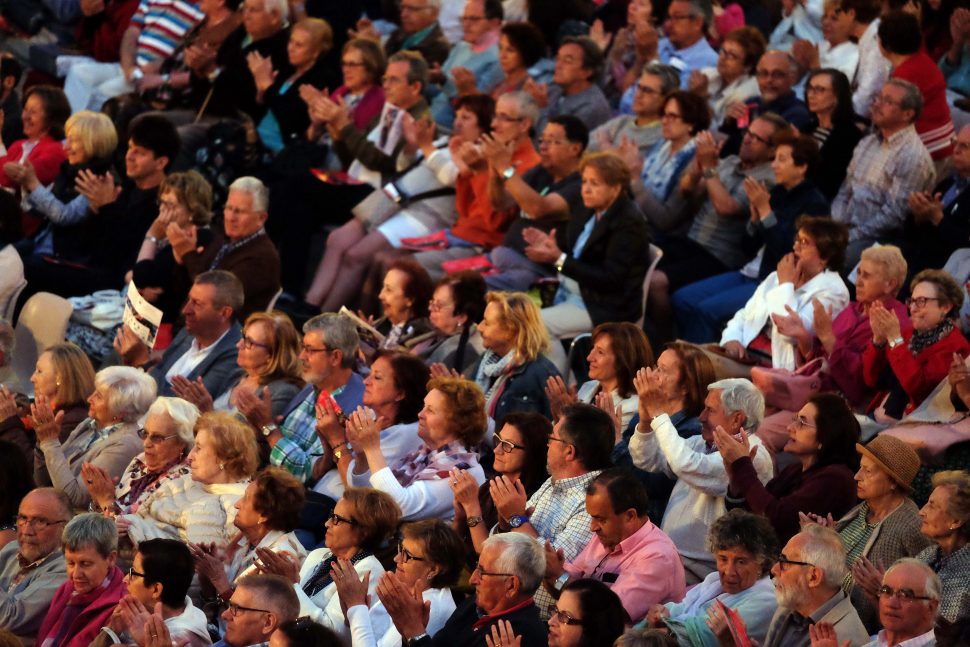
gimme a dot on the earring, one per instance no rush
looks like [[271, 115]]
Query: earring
[[222, 466]]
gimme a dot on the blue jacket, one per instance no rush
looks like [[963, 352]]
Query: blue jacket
[[525, 389], [218, 370]]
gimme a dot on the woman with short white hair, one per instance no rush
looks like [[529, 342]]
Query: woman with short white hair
[[167, 438], [107, 438]]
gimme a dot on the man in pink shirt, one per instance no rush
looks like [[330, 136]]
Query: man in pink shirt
[[635, 558]]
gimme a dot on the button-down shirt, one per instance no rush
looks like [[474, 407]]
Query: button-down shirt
[[192, 358], [26, 590], [696, 57], [882, 174], [643, 570], [794, 628], [923, 640]]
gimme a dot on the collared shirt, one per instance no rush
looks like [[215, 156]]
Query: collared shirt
[[696, 57], [883, 172], [26, 590], [794, 629], [192, 358], [590, 106], [484, 619], [923, 640], [643, 570]]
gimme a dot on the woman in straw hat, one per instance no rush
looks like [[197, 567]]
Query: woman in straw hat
[[884, 526]]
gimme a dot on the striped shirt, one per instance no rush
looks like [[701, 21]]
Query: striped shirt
[[163, 24]]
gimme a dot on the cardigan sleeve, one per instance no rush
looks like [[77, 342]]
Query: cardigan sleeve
[[421, 499], [56, 211], [920, 375]]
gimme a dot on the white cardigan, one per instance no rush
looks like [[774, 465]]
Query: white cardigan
[[324, 607], [771, 298], [187, 510], [243, 559], [373, 627]]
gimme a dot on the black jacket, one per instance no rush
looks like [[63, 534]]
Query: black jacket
[[836, 153], [926, 245], [611, 266], [459, 631]]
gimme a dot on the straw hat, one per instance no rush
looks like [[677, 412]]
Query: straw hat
[[894, 457]]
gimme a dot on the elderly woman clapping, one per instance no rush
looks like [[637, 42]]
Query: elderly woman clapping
[[107, 439], [167, 438], [199, 508], [744, 546]]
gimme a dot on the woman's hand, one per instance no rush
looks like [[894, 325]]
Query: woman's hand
[[350, 587], [194, 392], [135, 616], [758, 198], [465, 489], [559, 395], [600, 36], [649, 385], [8, 403], [497, 153], [735, 349], [809, 518], [788, 269], [283, 564], [160, 224], [183, 240], [868, 576], [262, 70], [100, 190], [209, 565], [884, 323], [539, 91], [656, 614], [542, 247], [47, 425], [509, 496], [364, 430], [604, 401], [408, 610], [959, 378], [440, 370], [501, 634], [258, 410], [99, 484], [156, 631], [717, 621]]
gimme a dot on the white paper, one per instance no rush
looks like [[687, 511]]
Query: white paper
[[141, 317]]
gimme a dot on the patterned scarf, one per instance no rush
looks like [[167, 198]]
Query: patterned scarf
[[322, 577], [230, 246], [924, 339], [493, 373], [426, 464]]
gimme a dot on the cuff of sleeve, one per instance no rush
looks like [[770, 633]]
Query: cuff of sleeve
[[770, 220]]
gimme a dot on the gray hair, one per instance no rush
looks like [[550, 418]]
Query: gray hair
[[933, 586], [280, 7], [274, 592], [824, 549], [521, 555], [742, 529], [528, 108], [183, 415], [792, 62], [340, 333], [698, 10], [912, 97], [229, 289], [417, 66], [6, 341], [668, 74], [739, 394], [645, 638], [91, 529], [129, 391], [254, 187]]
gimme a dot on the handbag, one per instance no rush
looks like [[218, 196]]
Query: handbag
[[789, 390]]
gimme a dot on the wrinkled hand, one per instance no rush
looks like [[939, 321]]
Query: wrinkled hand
[[364, 430], [501, 634], [542, 247], [283, 564], [790, 325], [99, 484], [822, 634], [184, 240], [209, 565], [47, 424], [884, 323], [788, 269], [539, 91], [351, 589], [509, 496], [649, 384], [717, 621], [822, 323], [465, 489], [100, 190], [868, 576], [809, 518], [130, 348], [193, 391], [408, 610], [559, 395]]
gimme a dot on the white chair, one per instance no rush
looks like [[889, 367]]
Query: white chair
[[655, 254], [272, 302], [42, 323], [11, 306]]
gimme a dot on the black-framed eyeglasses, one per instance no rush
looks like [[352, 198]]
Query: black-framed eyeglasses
[[562, 617], [920, 302], [783, 561], [558, 440], [248, 343], [777, 75], [154, 438], [310, 349], [133, 573], [903, 595], [406, 555], [482, 572], [758, 138], [236, 609], [336, 520], [507, 445], [37, 523]]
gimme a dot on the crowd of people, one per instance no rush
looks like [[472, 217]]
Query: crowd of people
[[492, 323]]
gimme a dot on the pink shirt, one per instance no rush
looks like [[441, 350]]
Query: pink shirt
[[643, 570]]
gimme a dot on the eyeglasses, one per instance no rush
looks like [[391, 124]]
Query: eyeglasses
[[816, 89], [642, 89], [438, 305], [236, 609], [168, 205], [412, 9], [507, 445], [407, 555], [903, 595], [803, 242], [248, 343], [673, 116], [558, 440], [802, 421], [310, 349], [758, 138], [482, 572], [777, 75], [920, 302], [562, 617], [37, 522], [783, 561], [133, 573], [154, 439], [335, 519], [886, 100], [508, 118], [352, 64], [731, 56]]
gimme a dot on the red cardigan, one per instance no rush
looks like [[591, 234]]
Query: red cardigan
[[88, 623], [47, 157], [917, 375], [934, 126]]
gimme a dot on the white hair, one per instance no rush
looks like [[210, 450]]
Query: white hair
[[255, 188], [91, 529], [6, 341], [528, 108], [128, 391], [280, 7], [520, 555], [823, 548], [932, 586], [739, 394], [183, 415]]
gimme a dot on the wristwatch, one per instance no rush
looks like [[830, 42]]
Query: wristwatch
[[471, 522], [560, 262], [561, 581], [268, 429], [411, 641], [517, 520], [893, 343], [338, 451], [708, 173], [508, 172]]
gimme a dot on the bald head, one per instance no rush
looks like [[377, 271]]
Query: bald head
[[916, 614], [42, 516], [776, 75]]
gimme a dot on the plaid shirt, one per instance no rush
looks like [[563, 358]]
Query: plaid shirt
[[882, 174], [300, 446]]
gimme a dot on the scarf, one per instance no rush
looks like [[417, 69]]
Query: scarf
[[230, 246], [926, 338], [76, 605], [427, 464], [140, 484], [493, 373], [322, 577]]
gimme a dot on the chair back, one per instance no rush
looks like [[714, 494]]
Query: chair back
[[42, 323]]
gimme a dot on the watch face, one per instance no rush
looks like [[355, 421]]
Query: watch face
[[516, 521]]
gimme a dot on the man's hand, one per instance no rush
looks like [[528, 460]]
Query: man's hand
[[707, 150], [133, 351], [100, 190], [555, 563], [261, 67], [539, 91], [498, 154], [365, 29], [559, 395], [926, 207], [464, 81]]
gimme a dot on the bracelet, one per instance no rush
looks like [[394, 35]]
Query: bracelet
[[152, 239], [471, 522], [338, 445]]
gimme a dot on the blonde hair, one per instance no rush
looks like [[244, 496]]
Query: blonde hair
[[519, 315], [97, 133], [890, 259], [73, 373], [232, 442], [284, 347], [319, 31]]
